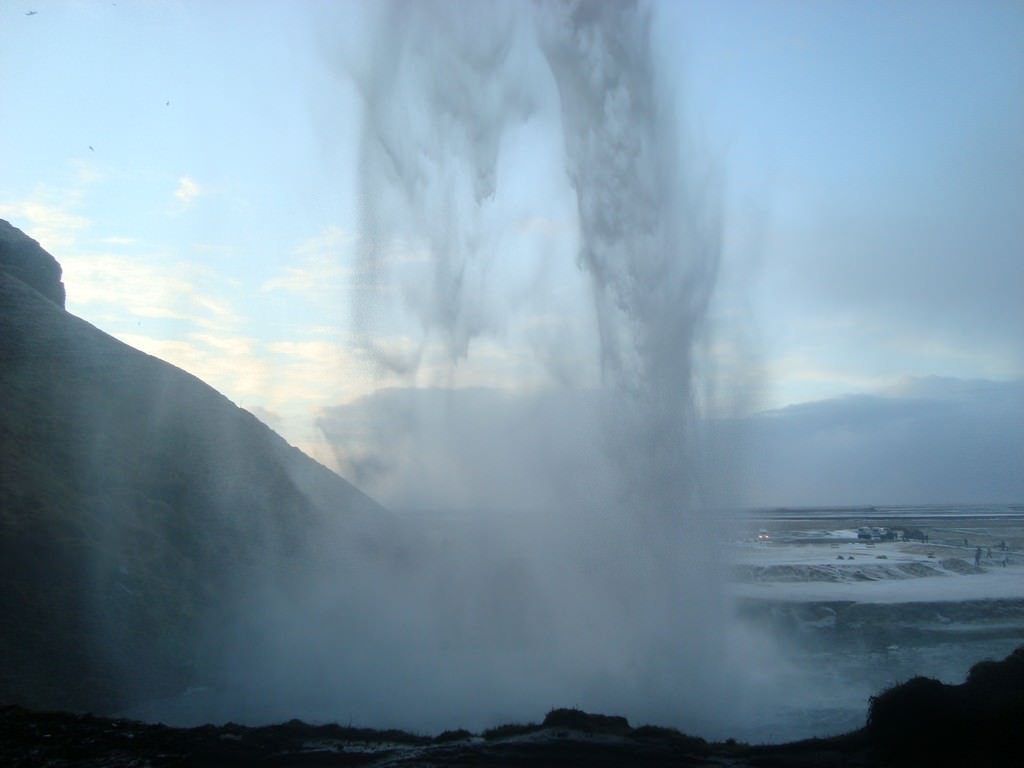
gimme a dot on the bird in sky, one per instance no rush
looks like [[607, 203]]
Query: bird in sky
[[91, 149], [31, 13]]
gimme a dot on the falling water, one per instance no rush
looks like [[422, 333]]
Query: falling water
[[614, 598], [648, 244]]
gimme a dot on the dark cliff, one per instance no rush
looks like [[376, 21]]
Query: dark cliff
[[139, 508], [23, 258]]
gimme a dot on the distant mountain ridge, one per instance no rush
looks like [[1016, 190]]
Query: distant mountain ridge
[[141, 512]]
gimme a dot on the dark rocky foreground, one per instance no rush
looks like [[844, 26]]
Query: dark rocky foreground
[[567, 737], [919, 723]]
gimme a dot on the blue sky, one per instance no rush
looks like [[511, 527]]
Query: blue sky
[[193, 166]]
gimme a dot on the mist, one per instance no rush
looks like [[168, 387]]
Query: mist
[[576, 559]]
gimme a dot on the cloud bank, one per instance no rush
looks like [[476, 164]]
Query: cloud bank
[[929, 441], [932, 441]]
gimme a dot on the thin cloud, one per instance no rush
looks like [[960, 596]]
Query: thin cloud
[[284, 383], [228, 365], [319, 269], [314, 371], [53, 224], [233, 346], [51, 214], [316, 278], [85, 173], [216, 314], [188, 190], [149, 285]]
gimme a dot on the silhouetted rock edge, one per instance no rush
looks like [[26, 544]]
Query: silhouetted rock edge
[[918, 722]]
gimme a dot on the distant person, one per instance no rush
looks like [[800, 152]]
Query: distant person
[[977, 557], [989, 555]]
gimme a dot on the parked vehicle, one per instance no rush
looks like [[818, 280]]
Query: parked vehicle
[[874, 533]]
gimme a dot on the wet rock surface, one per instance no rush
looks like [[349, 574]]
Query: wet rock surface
[[566, 737]]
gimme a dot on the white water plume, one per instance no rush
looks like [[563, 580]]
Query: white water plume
[[620, 566], [527, 207], [649, 241]]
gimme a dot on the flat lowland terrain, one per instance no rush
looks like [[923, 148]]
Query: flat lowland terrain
[[854, 601], [924, 555]]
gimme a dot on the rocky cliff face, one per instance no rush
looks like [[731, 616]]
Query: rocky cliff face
[[143, 516], [23, 258]]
